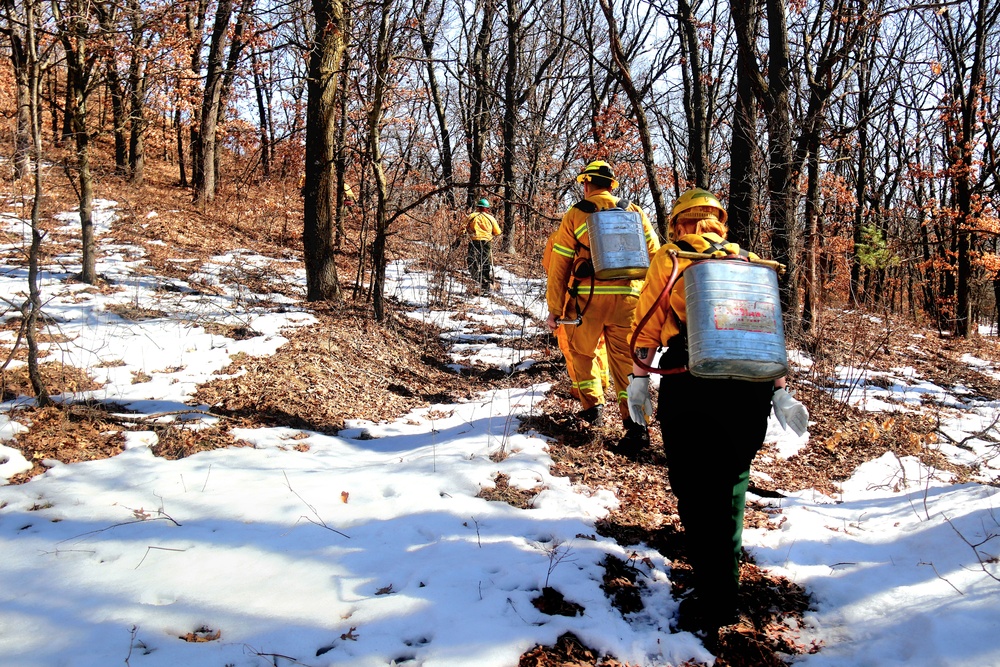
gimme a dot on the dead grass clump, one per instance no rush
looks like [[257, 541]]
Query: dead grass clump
[[568, 651], [343, 367], [503, 492], [57, 434], [621, 585], [134, 312], [178, 441], [57, 377]]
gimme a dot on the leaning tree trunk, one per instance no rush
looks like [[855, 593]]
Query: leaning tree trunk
[[624, 76], [444, 132]]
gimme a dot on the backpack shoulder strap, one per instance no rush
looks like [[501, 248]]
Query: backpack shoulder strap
[[712, 247], [589, 207]]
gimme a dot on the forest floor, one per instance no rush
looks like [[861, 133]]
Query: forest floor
[[381, 371]]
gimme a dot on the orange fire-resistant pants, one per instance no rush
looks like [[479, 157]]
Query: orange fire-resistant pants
[[600, 357], [610, 316]]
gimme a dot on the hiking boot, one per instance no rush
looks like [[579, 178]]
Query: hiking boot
[[702, 618], [634, 442], [593, 416]]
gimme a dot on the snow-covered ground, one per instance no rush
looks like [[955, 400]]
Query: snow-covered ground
[[371, 547]]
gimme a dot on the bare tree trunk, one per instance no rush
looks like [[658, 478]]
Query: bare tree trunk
[[382, 62], [181, 163], [780, 182], [427, 37], [986, 16], [67, 122], [510, 110], [623, 73], [258, 87], [229, 74], [32, 308], [480, 124], [861, 184], [107, 15], [694, 98], [138, 79], [19, 60], [813, 297], [340, 148], [194, 19], [204, 187], [118, 115], [54, 107], [74, 34], [774, 96], [321, 116], [742, 191]]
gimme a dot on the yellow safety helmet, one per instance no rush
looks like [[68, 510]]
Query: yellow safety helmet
[[598, 168], [697, 197]]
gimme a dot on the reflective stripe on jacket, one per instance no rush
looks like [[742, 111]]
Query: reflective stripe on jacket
[[571, 243]]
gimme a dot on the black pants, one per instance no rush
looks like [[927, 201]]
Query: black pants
[[712, 429], [480, 261]]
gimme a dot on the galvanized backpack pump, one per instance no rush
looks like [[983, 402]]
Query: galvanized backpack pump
[[734, 326], [617, 242], [617, 248]]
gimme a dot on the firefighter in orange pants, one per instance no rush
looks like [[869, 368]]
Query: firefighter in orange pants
[[602, 307], [601, 356]]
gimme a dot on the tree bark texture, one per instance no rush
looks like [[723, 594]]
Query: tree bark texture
[[321, 118], [205, 185]]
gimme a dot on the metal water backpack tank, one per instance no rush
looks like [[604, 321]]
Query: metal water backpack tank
[[617, 244], [734, 321]]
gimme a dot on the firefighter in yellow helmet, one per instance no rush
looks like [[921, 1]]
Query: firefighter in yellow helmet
[[708, 463], [605, 307], [481, 228]]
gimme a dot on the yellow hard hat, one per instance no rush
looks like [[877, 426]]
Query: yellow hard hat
[[697, 197], [598, 168]]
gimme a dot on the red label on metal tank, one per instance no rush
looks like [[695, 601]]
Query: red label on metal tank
[[752, 316]]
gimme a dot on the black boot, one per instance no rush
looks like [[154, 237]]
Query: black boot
[[634, 442], [593, 416]]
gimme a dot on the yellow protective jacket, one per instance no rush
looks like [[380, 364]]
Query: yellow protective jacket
[[665, 322], [571, 242], [481, 226]]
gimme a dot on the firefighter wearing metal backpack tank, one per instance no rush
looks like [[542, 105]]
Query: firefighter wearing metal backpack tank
[[606, 306], [708, 462]]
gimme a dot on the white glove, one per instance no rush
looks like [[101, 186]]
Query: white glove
[[640, 407], [790, 413]]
